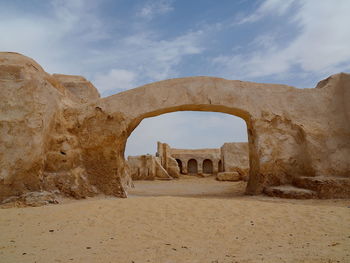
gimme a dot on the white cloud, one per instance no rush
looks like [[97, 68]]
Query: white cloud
[[78, 17], [60, 40], [163, 56], [147, 56], [115, 80], [56, 38], [320, 47], [274, 7], [155, 7]]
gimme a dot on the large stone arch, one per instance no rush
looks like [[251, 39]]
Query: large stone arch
[[77, 144], [260, 105]]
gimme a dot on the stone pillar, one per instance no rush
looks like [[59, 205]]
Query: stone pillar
[[165, 156], [184, 166], [215, 166], [200, 166], [277, 154]]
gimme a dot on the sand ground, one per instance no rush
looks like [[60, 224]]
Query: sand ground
[[187, 220]]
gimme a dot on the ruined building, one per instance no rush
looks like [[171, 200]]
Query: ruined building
[[58, 135], [230, 162]]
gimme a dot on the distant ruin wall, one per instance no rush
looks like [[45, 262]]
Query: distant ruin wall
[[166, 160], [235, 156], [146, 167], [230, 157]]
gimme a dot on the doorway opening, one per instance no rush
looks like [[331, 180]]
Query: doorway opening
[[179, 163], [191, 147], [192, 166], [207, 166]]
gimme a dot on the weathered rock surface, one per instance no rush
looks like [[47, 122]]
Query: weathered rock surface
[[325, 187], [44, 130], [229, 176], [167, 161], [146, 167], [235, 158], [39, 148], [289, 191], [231, 157], [31, 199], [30, 99], [82, 89]]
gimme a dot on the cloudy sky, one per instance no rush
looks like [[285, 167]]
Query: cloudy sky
[[121, 44]]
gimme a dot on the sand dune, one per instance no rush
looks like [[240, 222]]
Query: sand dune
[[194, 228]]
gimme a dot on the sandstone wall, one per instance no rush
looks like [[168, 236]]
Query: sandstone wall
[[200, 155], [40, 146], [49, 139], [235, 162], [146, 167], [82, 90], [235, 157], [30, 99], [231, 157], [166, 160], [292, 132]]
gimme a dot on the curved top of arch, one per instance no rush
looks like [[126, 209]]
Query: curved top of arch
[[239, 98]]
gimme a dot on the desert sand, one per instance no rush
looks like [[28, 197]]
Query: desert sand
[[186, 220]]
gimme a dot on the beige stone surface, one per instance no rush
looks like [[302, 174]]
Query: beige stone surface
[[45, 133], [230, 157], [29, 102], [199, 155], [166, 160], [204, 162], [235, 156], [39, 149], [229, 176], [325, 186], [34, 199], [82, 89], [289, 191], [146, 167]]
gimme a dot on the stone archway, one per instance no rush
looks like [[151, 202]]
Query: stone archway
[[192, 166], [289, 134], [106, 125], [123, 112], [208, 166]]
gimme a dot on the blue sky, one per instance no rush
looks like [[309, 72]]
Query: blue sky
[[121, 44]]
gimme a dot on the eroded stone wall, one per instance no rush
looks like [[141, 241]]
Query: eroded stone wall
[[235, 159], [146, 167], [82, 89], [199, 155], [229, 162], [292, 132]]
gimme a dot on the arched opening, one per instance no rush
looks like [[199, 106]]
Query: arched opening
[[192, 166], [207, 166], [179, 163], [191, 95], [220, 168], [123, 112], [195, 143]]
